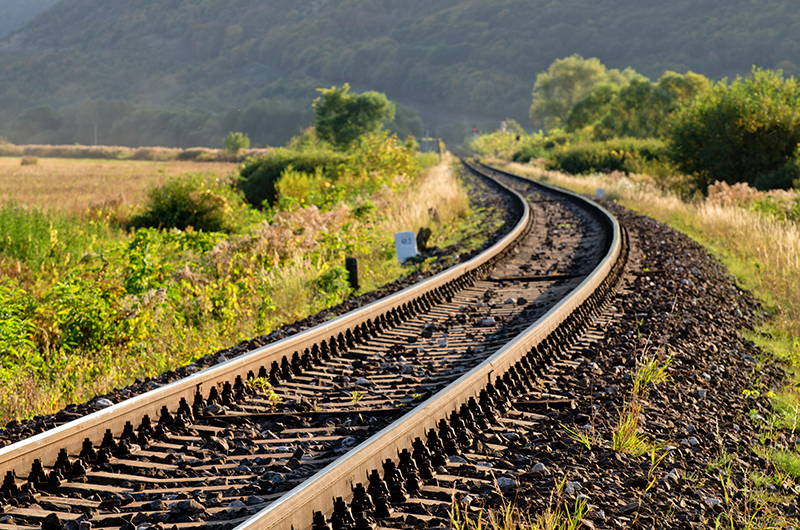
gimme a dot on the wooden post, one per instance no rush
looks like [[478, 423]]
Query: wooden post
[[351, 264]]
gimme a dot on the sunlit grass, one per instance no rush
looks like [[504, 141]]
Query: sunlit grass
[[76, 185]]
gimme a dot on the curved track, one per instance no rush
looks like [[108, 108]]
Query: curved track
[[436, 362]]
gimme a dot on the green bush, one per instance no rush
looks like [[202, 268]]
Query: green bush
[[260, 174], [235, 142], [629, 155], [202, 203], [747, 131]]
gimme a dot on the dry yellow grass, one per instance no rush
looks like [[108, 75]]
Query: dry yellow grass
[[75, 185], [437, 190], [763, 252]]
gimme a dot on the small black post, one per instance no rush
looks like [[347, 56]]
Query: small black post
[[351, 264]]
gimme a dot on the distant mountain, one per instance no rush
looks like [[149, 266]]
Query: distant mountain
[[15, 13], [457, 62]]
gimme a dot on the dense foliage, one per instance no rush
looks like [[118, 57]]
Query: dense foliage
[[194, 202], [193, 65], [89, 303], [260, 174], [341, 117], [745, 131], [629, 155]]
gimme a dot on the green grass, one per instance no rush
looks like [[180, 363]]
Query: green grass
[[86, 306]]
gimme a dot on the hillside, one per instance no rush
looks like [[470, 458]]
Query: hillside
[[454, 61], [15, 13]]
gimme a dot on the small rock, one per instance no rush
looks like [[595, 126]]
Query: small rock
[[221, 359], [673, 475], [103, 403], [348, 441], [214, 409], [85, 525], [51, 522], [705, 376], [701, 392], [362, 381], [442, 343], [237, 504], [506, 484], [629, 508], [254, 499], [457, 460], [407, 369], [572, 487], [521, 301], [693, 441], [157, 505], [510, 301], [511, 436], [488, 322], [539, 468], [273, 477], [187, 506], [220, 444]]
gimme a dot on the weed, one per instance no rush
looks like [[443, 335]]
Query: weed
[[561, 514], [625, 437], [744, 508], [654, 463], [650, 370], [723, 460], [262, 385], [586, 439], [356, 396]]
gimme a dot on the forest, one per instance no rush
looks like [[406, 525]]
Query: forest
[[185, 72]]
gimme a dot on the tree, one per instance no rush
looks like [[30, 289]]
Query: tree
[[639, 109], [35, 121], [568, 81], [747, 131], [235, 142], [341, 117]]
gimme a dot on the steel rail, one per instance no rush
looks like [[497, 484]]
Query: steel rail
[[294, 511], [19, 457]]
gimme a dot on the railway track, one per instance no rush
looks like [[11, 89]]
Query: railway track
[[376, 416]]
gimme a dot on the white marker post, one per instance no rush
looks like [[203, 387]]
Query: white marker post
[[405, 244], [600, 193]]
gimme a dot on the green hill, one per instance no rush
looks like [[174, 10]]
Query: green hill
[[194, 68]]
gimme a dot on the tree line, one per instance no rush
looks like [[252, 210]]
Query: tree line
[[744, 130]]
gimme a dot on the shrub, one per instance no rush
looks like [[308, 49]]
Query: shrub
[[298, 188], [235, 142], [628, 155], [202, 203], [747, 131], [260, 174], [29, 160]]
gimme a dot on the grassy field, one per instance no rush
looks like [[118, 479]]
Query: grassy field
[[75, 185], [88, 304]]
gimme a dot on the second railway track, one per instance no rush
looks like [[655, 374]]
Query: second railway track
[[410, 379]]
